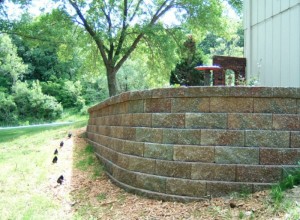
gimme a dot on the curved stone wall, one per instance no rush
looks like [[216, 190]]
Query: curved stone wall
[[189, 143]]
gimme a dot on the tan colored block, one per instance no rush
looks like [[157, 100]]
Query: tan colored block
[[152, 135], [236, 155], [158, 105], [261, 174], [182, 136], [243, 121], [184, 187], [143, 165], [295, 139], [194, 153], [141, 120], [271, 139], [133, 148], [158, 151], [211, 172], [230, 104], [275, 105], [222, 137], [173, 169], [206, 120], [190, 105], [168, 120], [150, 182], [286, 122], [269, 156]]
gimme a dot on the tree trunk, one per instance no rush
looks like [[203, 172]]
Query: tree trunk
[[111, 81]]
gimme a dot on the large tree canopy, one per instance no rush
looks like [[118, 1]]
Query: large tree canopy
[[118, 27]]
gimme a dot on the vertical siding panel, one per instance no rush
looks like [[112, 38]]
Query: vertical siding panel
[[246, 12], [261, 10], [294, 2], [254, 44], [269, 8], [284, 49], [295, 46], [284, 5], [247, 34], [276, 6], [273, 36], [268, 74], [254, 4], [261, 54], [276, 51]]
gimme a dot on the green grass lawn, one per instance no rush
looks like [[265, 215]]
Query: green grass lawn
[[25, 155]]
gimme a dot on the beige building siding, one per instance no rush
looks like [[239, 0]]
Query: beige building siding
[[272, 41]]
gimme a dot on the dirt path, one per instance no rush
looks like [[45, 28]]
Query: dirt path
[[98, 198], [64, 166]]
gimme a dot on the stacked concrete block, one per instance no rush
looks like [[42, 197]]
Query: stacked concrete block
[[190, 143]]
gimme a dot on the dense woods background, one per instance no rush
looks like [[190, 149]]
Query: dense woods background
[[76, 53]]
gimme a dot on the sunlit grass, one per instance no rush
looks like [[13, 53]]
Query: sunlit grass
[[25, 155], [72, 115], [87, 160]]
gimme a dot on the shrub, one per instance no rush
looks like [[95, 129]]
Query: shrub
[[8, 109], [184, 72], [32, 102], [94, 90], [68, 93]]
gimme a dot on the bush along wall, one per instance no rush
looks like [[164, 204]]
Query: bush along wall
[[189, 143]]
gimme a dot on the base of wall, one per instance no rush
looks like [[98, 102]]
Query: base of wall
[[148, 193], [109, 167]]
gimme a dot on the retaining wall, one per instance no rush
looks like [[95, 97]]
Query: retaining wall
[[188, 143]]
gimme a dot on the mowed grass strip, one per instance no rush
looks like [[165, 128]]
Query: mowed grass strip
[[25, 159]]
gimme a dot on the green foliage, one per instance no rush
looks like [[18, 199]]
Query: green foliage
[[291, 179], [88, 160], [11, 64], [66, 92], [184, 72], [140, 22], [93, 90], [237, 5], [44, 61], [32, 103], [8, 109], [230, 45], [101, 196]]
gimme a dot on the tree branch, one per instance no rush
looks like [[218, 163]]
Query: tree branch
[[111, 44], [88, 28], [129, 51], [135, 10], [124, 28], [161, 10], [32, 37]]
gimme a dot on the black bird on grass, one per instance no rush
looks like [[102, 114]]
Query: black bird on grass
[[55, 152], [60, 179], [61, 144], [54, 159], [69, 135]]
